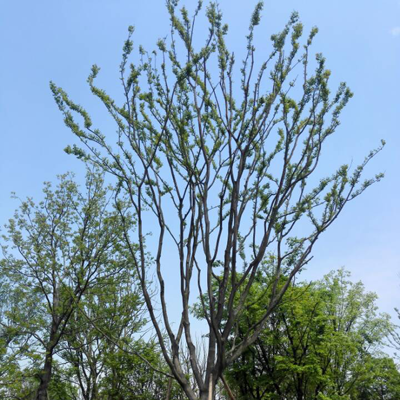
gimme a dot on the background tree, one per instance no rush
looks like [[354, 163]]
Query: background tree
[[107, 320], [221, 164], [14, 340], [382, 382], [324, 342], [57, 250], [129, 377]]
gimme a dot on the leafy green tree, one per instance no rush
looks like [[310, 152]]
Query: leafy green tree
[[219, 163], [323, 343], [382, 381], [108, 317], [129, 377], [54, 252]]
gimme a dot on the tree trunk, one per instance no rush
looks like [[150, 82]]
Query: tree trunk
[[169, 388], [47, 370], [211, 388], [227, 388], [45, 375], [209, 394]]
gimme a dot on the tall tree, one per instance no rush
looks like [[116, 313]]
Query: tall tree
[[54, 252], [220, 164]]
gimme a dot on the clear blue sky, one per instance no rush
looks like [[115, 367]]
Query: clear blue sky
[[60, 40]]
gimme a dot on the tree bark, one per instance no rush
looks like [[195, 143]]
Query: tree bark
[[47, 370], [227, 388], [169, 388], [209, 394], [45, 376]]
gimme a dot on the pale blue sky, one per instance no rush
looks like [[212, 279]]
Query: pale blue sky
[[60, 40]]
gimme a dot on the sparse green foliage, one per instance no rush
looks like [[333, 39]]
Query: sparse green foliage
[[216, 163]]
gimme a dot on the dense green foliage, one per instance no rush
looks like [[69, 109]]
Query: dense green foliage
[[324, 342]]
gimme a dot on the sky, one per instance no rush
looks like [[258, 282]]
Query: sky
[[60, 40]]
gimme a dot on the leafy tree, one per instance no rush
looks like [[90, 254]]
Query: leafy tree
[[323, 342], [54, 252], [382, 382], [129, 377], [108, 317], [220, 164]]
